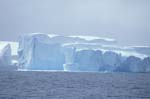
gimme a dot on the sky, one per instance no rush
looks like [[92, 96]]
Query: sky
[[127, 21]]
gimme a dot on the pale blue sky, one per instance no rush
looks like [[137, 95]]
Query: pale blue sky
[[128, 21]]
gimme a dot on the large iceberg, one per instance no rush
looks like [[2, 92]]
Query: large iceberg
[[39, 51]]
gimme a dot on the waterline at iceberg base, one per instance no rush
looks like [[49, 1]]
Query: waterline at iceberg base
[[83, 59]]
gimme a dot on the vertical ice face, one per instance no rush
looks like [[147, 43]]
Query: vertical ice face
[[47, 56], [88, 60], [69, 59], [131, 64], [83, 60], [37, 52], [146, 64], [111, 60], [69, 54]]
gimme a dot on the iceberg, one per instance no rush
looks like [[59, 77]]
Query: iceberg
[[5, 55], [14, 48], [38, 51]]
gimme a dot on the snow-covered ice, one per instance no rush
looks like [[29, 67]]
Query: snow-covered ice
[[40, 51], [81, 39]]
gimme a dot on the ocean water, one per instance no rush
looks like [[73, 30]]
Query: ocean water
[[73, 85]]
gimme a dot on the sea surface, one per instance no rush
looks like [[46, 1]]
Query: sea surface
[[73, 85]]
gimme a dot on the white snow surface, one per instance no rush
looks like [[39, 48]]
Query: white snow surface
[[90, 38], [81, 39]]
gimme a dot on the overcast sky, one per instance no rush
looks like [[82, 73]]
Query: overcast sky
[[128, 21]]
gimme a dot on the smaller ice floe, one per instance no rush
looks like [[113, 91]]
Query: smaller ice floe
[[14, 48], [6, 59]]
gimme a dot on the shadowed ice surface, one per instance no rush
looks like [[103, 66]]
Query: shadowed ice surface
[[73, 85]]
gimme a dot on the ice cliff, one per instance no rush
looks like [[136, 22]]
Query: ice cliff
[[39, 51]]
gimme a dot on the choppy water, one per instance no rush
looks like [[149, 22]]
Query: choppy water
[[67, 85]]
